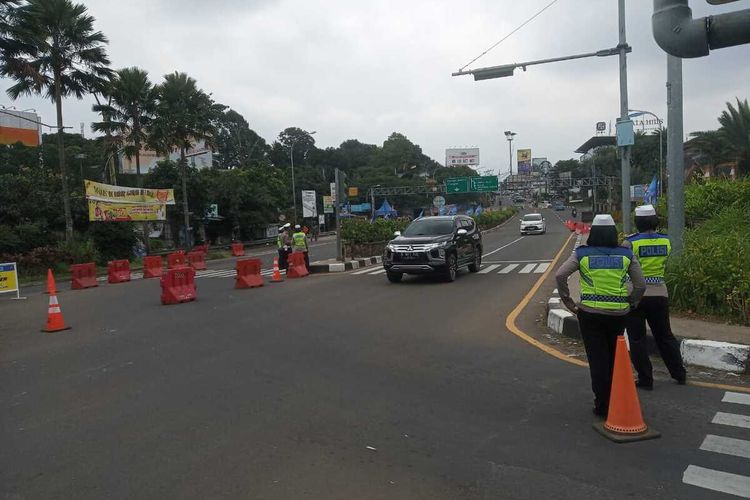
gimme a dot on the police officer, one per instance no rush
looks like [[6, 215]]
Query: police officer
[[283, 241], [603, 266], [652, 250], [299, 244]]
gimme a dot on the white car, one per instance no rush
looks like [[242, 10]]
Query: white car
[[533, 224]]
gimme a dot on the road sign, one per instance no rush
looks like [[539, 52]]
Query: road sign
[[457, 185], [483, 184], [438, 201], [9, 278]]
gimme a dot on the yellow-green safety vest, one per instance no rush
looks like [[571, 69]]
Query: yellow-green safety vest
[[652, 251], [603, 272], [299, 242]]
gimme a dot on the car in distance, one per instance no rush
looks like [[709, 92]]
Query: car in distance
[[434, 245], [533, 224], [558, 206]]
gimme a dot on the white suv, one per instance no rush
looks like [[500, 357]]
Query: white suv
[[533, 224]]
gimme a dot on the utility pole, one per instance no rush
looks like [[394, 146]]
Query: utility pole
[[337, 211], [625, 150], [675, 155]]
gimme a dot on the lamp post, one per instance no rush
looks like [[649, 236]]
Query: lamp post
[[638, 112], [294, 191], [510, 135]]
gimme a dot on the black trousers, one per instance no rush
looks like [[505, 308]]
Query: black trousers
[[307, 261], [655, 310], [600, 332], [283, 256]]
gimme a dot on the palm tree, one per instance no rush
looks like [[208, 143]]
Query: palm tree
[[63, 56], [129, 112], [735, 131], [184, 114]]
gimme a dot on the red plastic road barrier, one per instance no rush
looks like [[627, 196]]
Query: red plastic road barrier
[[583, 228], [176, 259], [83, 276], [248, 274], [152, 266], [178, 285], [238, 249], [197, 260], [570, 224], [118, 271], [297, 268], [201, 248]]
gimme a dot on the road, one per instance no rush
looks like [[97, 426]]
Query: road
[[335, 386]]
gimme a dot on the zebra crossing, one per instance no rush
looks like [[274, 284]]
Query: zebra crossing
[[496, 267], [209, 273], [739, 449]]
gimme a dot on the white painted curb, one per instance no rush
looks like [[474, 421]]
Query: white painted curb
[[717, 355], [556, 319]]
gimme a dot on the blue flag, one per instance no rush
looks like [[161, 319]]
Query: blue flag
[[652, 193], [441, 211], [470, 211], [454, 210], [478, 210]]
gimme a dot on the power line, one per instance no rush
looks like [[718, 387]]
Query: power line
[[508, 35]]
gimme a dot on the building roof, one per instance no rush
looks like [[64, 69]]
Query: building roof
[[597, 141]]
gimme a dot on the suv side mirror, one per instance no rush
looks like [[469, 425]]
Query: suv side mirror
[[397, 233], [462, 232]]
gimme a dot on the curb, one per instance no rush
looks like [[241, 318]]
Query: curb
[[340, 267], [724, 356]]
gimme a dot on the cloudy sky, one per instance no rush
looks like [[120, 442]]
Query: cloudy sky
[[361, 70]]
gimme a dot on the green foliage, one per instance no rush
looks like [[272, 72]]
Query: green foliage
[[489, 219], [78, 251], [704, 201], [361, 231], [113, 240], [712, 274]]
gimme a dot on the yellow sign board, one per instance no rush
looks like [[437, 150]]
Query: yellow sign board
[[121, 212], [353, 191], [121, 194], [9, 278]]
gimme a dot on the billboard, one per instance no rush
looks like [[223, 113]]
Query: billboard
[[328, 204], [536, 164], [524, 161], [19, 126], [462, 156], [123, 194], [309, 205], [198, 155], [103, 211]]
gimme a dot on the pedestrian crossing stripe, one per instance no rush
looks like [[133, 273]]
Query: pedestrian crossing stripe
[[536, 268]]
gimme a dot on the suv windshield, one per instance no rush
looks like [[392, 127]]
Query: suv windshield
[[429, 227], [532, 217]]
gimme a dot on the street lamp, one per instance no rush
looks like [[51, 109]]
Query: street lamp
[[510, 135], [294, 191], [637, 112]]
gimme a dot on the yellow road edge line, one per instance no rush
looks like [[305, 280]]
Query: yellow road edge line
[[510, 324]]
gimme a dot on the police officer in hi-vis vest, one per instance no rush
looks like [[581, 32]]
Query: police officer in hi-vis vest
[[652, 250], [604, 267], [299, 244]]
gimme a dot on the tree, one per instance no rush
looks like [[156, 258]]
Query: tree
[[129, 112], [184, 114], [237, 145], [735, 131], [62, 55]]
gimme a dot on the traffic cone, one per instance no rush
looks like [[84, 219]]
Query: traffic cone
[[276, 278], [624, 420], [55, 321], [51, 288]]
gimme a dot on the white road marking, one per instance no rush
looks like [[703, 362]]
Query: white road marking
[[379, 271], [364, 271], [512, 261], [715, 480], [736, 397], [507, 269], [732, 419], [489, 269], [504, 246], [727, 446], [541, 267], [527, 268]]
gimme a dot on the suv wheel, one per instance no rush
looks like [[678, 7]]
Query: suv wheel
[[394, 277], [451, 263], [474, 266]]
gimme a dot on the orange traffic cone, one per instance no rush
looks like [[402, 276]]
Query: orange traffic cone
[[55, 321], [51, 288], [624, 420], [276, 278]]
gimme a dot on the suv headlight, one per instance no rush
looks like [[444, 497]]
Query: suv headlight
[[433, 246], [391, 247]]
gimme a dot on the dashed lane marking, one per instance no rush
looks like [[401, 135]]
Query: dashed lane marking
[[364, 271], [507, 269], [541, 268], [527, 269], [489, 269]]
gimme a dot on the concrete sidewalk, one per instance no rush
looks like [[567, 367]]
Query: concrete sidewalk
[[702, 343]]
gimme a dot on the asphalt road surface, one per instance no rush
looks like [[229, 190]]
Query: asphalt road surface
[[339, 386]]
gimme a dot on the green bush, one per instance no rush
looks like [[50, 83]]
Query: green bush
[[712, 274], [490, 219], [112, 240], [78, 251], [704, 201], [156, 244], [361, 231]]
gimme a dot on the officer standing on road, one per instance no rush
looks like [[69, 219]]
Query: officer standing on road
[[299, 244], [652, 250], [283, 241], [603, 266]]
